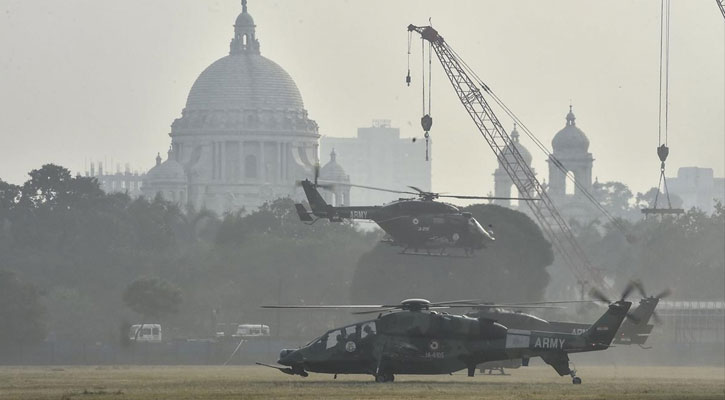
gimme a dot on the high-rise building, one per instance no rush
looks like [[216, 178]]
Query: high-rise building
[[697, 187], [379, 157]]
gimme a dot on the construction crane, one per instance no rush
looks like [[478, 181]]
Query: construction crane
[[721, 4], [471, 94]]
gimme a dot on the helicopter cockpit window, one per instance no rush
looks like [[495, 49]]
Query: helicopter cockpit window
[[368, 329], [333, 338], [349, 332]]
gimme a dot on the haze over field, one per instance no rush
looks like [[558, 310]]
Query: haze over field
[[174, 266]]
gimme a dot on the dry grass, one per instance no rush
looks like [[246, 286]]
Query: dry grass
[[536, 382]]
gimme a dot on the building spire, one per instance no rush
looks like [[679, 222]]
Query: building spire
[[244, 6]]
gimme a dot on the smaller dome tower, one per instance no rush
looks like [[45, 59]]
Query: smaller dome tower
[[339, 193], [167, 179], [502, 180], [571, 150]]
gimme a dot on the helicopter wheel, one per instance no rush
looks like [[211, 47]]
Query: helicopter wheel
[[384, 377], [576, 380]]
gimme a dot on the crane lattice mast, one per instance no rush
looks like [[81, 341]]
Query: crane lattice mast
[[551, 222]]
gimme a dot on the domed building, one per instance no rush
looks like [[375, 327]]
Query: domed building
[[244, 137], [570, 150], [337, 195], [167, 179], [502, 181]]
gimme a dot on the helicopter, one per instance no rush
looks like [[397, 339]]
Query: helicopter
[[413, 338], [411, 223], [635, 329]]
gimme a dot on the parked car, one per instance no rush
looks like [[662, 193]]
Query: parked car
[[251, 330], [150, 333]]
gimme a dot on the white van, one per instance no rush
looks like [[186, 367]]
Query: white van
[[145, 333], [252, 330]]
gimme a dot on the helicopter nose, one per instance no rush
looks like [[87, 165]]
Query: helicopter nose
[[289, 357]]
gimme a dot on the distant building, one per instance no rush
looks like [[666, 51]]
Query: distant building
[[244, 136], [503, 184], [118, 182], [379, 157], [337, 193], [570, 150], [697, 187]]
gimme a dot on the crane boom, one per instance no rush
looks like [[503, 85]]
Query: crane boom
[[551, 222]]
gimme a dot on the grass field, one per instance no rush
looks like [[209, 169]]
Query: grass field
[[247, 382]]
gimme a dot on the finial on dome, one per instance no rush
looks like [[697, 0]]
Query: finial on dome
[[333, 155], [158, 158], [244, 6], [570, 118], [515, 133]]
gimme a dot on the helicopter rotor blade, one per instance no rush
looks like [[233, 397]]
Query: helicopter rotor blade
[[338, 183], [549, 302], [322, 306], [481, 306], [628, 290], [640, 287], [375, 311], [487, 197], [450, 302], [599, 295], [664, 293]]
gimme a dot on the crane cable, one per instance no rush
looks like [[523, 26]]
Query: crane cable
[[615, 221], [426, 121], [664, 97]]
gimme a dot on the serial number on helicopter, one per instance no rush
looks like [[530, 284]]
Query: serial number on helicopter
[[435, 354]]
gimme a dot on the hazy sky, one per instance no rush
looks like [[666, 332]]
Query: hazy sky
[[94, 80]]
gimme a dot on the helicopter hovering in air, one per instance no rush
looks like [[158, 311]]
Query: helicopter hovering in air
[[413, 338], [418, 225]]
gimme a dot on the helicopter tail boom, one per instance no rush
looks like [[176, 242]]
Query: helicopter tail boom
[[602, 332], [317, 202]]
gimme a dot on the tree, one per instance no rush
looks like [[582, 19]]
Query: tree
[[9, 195], [614, 196], [21, 313], [510, 269], [152, 297], [647, 199], [53, 185]]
